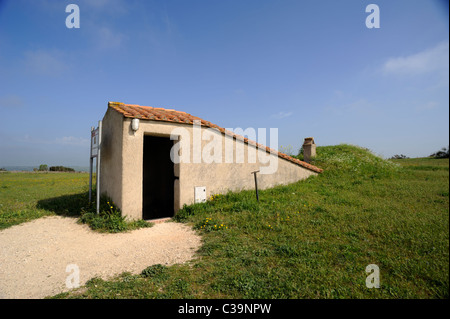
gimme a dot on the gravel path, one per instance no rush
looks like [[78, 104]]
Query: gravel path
[[34, 255]]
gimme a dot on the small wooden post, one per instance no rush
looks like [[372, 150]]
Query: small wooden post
[[256, 184]]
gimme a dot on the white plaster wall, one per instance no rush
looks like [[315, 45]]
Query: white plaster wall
[[122, 175]]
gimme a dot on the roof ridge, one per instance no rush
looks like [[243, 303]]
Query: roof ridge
[[189, 119], [145, 106]]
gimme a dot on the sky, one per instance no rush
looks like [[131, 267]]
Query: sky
[[308, 68]]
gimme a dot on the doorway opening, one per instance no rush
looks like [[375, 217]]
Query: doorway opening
[[158, 178]]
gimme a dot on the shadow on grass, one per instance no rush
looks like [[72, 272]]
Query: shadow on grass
[[108, 220], [66, 205]]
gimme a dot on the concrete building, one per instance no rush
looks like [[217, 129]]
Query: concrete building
[[155, 160]]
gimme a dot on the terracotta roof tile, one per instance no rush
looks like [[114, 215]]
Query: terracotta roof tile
[[170, 115]]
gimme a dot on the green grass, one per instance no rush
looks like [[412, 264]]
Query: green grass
[[109, 219], [313, 238], [27, 196]]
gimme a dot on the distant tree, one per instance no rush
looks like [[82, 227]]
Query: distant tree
[[61, 169], [443, 153], [43, 167], [401, 156], [286, 150], [300, 151], [299, 154]]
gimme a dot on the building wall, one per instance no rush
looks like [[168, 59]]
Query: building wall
[[216, 177], [111, 156]]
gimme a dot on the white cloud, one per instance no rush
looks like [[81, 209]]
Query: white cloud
[[110, 6], [358, 107], [44, 62], [430, 60], [339, 94], [97, 20], [281, 115], [108, 39], [431, 105]]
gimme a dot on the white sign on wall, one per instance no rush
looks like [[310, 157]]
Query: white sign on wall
[[94, 142], [200, 194]]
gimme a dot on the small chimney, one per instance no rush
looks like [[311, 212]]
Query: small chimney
[[309, 149]]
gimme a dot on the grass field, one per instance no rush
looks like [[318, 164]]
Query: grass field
[[310, 239], [28, 195], [25, 196]]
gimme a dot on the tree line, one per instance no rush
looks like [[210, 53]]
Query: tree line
[[442, 153], [44, 168]]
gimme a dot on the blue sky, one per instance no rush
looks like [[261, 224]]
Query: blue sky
[[308, 68]]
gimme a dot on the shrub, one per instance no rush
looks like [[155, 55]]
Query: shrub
[[104, 222], [60, 169], [300, 153], [443, 153], [288, 150], [401, 156], [157, 271], [109, 219]]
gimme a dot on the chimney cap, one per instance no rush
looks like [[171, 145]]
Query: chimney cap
[[308, 141]]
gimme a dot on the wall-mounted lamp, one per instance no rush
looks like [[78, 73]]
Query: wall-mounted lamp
[[135, 124]]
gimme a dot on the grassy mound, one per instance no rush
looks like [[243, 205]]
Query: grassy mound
[[315, 238], [349, 160], [310, 239]]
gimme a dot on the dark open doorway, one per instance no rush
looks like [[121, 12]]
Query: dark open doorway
[[158, 178]]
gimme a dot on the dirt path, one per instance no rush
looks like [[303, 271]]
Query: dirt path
[[34, 255]]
